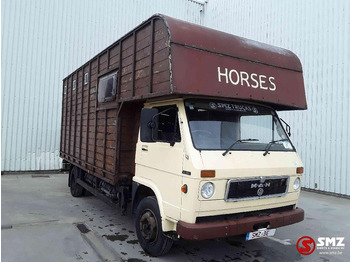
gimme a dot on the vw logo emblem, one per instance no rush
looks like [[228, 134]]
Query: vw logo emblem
[[260, 191]]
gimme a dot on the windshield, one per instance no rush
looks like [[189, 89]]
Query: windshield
[[219, 125]]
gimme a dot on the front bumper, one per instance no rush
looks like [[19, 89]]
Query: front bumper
[[239, 226]]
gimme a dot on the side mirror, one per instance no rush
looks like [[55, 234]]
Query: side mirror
[[287, 127], [148, 124]]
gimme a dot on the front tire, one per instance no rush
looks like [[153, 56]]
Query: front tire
[[149, 231], [76, 190]]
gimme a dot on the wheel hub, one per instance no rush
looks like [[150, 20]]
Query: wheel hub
[[148, 226]]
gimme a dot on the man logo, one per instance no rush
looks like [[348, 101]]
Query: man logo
[[213, 105], [260, 191]]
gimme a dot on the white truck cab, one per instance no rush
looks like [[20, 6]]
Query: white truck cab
[[218, 167]]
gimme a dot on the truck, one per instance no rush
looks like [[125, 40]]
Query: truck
[[178, 122]]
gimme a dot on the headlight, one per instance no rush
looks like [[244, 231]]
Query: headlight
[[207, 190], [296, 184]]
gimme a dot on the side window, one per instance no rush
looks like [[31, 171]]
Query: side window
[[107, 87], [168, 124]]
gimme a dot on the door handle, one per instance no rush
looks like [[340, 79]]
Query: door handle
[[144, 148]]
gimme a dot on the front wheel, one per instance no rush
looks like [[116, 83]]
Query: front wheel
[[149, 228]]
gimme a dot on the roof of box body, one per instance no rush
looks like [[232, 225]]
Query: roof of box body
[[199, 61], [205, 61]]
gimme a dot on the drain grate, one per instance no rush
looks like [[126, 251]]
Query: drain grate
[[82, 228]]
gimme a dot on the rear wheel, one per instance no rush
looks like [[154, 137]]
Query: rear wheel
[[76, 190], [149, 228]]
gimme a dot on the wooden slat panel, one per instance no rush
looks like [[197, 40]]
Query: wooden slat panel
[[75, 92], [70, 114], [94, 135]]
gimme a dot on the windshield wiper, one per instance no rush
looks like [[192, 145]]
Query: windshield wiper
[[267, 148], [239, 141]]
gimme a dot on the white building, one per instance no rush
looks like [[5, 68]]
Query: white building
[[45, 40]]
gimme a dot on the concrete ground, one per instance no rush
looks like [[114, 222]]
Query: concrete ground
[[41, 221]]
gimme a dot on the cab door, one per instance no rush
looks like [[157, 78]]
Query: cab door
[[160, 161]]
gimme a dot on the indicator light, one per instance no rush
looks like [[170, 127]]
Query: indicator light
[[208, 173]]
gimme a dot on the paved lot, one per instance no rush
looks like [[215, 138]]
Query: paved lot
[[39, 221]]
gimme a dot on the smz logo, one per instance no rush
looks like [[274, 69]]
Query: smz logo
[[306, 245], [330, 241]]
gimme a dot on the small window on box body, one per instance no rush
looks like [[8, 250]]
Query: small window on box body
[[86, 78], [107, 87], [74, 84]]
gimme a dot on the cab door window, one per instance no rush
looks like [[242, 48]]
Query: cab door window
[[168, 124]]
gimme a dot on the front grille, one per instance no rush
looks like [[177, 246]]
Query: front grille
[[263, 187]]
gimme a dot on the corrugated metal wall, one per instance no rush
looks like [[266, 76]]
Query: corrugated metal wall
[[318, 32], [43, 40]]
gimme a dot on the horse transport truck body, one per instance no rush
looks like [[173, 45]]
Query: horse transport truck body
[[181, 120]]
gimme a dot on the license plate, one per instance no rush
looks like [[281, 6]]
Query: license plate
[[260, 233]]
